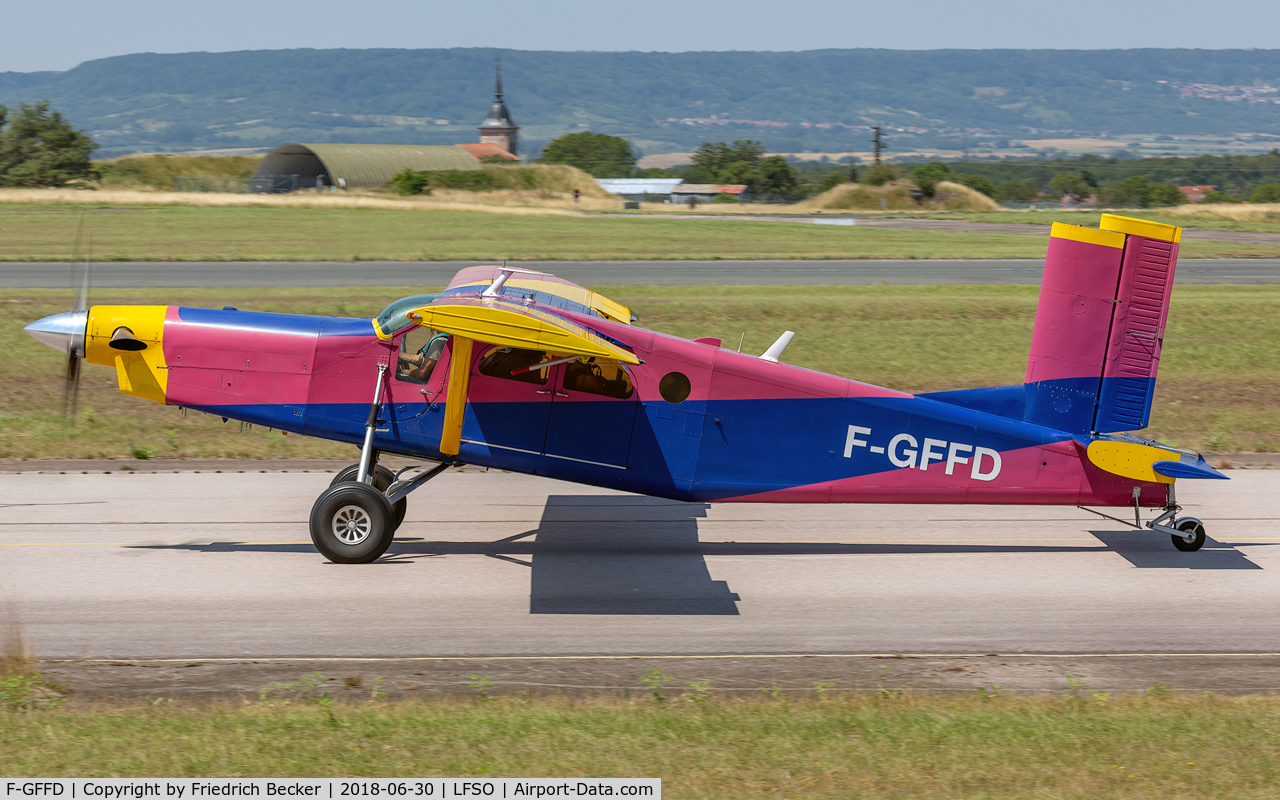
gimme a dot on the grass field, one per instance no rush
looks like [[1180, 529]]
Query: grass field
[[1220, 371], [881, 745], [306, 234]]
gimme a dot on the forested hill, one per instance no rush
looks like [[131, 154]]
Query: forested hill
[[792, 101]]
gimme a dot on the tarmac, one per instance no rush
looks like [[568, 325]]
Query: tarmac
[[127, 580]]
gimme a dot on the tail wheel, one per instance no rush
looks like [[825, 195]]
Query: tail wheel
[[351, 523], [1192, 537], [382, 478]]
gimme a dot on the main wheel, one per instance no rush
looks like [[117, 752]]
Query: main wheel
[[1192, 538], [382, 478], [351, 523]]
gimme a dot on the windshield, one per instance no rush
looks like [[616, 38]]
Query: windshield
[[395, 317]]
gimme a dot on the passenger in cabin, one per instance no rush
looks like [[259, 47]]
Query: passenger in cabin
[[609, 380]]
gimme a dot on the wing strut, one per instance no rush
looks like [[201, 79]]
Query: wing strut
[[455, 399]]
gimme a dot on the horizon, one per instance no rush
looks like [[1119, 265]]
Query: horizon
[[645, 52]]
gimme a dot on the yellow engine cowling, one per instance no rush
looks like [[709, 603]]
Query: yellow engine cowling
[[141, 373]]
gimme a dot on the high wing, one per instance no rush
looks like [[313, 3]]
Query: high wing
[[510, 307], [540, 288]]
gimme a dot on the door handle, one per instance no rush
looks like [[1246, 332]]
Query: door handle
[[561, 394], [544, 391]]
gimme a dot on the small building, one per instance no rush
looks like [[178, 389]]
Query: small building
[[487, 150], [1195, 194], [498, 128], [640, 188], [707, 191]]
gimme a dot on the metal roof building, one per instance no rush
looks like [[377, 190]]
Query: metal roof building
[[637, 188], [360, 166]]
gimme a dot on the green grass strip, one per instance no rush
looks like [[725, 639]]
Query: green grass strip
[[703, 745]]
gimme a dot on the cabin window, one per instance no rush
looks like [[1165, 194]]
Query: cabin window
[[420, 351], [501, 362], [674, 387], [609, 380]]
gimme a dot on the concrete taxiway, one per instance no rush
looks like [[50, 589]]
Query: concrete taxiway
[[203, 565]]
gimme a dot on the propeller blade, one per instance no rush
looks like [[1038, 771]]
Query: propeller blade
[[71, 389], [82, 302]]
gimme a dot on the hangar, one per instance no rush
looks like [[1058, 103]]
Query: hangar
[[357, 166]]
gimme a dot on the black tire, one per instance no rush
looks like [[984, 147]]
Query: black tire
[[351, 523], [382, 478], [1195, 529]]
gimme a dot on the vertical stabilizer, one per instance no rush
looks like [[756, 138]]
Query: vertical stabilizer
[[1100, 324], [1073, 322]]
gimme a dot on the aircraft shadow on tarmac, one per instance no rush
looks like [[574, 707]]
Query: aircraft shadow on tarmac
[[619, 555], [1145, 551]]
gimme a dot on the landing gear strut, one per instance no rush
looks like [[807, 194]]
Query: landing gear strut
[[355, 519], [1187, 533]]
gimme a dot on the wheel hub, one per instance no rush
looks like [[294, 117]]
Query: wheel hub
[[351, 525]]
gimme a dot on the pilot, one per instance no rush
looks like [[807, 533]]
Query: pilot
[[420, 365]]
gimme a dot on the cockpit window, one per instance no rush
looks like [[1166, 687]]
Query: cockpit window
[[420, 351], [395, 317], [501, 362], [609, 380]]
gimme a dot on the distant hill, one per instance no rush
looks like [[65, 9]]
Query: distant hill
[[813, 100]]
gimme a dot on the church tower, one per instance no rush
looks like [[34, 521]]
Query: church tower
[[498, 128]]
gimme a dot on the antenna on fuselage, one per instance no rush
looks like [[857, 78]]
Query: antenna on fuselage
[[775, 349]]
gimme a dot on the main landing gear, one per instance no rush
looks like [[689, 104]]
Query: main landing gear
[[1187, 533], [355, 519]]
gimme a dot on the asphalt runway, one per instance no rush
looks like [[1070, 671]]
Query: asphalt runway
[[199, 565], [145, 274], [956, 225]]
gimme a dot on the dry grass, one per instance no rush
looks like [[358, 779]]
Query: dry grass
[[1227, 212], [857, 197], [556, 178], [536, 201], [950, 196], [157, 170]]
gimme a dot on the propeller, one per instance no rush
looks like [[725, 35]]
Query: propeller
[[71, 388], [66, 331]]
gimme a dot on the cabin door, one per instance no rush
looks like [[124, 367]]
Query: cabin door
[[509, 400], [593, 410]]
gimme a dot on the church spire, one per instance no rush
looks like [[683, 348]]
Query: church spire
[[498, 128]]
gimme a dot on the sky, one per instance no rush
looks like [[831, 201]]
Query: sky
[[59, 34]]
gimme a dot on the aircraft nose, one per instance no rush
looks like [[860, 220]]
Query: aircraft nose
[[63, 332]]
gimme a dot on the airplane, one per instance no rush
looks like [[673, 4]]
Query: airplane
[[522, 371]]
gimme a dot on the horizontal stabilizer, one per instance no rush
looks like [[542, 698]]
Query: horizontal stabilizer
[[1188, 469]]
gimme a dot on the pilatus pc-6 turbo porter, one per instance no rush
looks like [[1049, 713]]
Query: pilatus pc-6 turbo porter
[[526, 372]]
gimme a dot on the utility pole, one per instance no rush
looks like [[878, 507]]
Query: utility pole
[[879, 141]]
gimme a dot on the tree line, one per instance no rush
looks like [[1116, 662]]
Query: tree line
[[1130, 182], [39, 147]]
